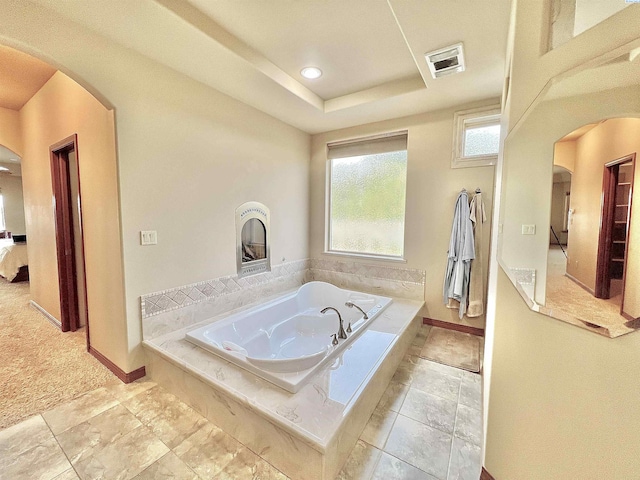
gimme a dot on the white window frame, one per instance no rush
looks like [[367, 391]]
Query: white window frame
[[327, 237], [476, 117]]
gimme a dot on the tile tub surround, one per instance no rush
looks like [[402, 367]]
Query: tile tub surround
[[376, 279], [181, 307], [307, 435], [169, 310]]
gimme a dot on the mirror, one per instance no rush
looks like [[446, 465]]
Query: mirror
[[570, 237], [252, 239]]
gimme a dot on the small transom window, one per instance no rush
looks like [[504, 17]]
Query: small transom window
[[476, 137]]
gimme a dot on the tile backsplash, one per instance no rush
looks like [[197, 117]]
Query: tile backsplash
[[180, 307]]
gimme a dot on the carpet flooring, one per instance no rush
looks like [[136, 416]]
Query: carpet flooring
[[456, 349], [40, 367]]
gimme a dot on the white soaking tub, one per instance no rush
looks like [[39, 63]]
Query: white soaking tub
[[287, 339]]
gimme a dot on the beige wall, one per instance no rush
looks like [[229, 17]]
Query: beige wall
[[563, 400], [529, 172], [432, 188], [531, 68], [559, 194], [187, 156], [11, 190], [609, 141], [564, 154], [10, 133], [559, 399], [60, 109]]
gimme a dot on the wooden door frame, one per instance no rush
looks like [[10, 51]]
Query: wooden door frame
[[603, 263], [67, 268], [626, 253]]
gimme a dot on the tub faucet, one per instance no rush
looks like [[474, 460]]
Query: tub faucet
[[341, 333], [352, 305]]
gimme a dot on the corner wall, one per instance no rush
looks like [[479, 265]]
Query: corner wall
[[11, 189], [432, 188], [563, 400], [10, 134], [187, 156], [60, 109]]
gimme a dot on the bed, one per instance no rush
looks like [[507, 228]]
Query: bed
[[14, 261]]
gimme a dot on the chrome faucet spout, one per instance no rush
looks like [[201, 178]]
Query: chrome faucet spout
[[341, 333], [353, 305]]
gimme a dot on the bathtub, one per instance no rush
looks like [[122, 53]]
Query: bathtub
[[286, 340]]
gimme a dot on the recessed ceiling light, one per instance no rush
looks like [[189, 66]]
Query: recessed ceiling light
[[4, 169], [311, 72]]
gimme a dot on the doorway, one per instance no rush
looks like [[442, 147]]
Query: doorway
[[69, 237], [617, 192]]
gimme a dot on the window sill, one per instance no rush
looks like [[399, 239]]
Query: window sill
[[467, 162], [365, 256]]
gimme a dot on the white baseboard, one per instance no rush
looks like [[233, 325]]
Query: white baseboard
[[46, 314]]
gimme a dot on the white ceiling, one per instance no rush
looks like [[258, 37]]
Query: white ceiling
[[371, 51]]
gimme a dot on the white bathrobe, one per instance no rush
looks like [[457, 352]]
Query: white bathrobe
[[476, 283], [461, 252]]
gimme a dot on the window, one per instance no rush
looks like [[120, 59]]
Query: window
[[367, 189], [476, 138]]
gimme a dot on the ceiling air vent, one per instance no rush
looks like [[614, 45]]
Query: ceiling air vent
[[446, 61]]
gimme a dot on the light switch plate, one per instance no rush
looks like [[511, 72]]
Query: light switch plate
[[148, 237], [528, 229]]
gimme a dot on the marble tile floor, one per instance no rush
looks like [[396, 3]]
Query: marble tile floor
[[426, 426]]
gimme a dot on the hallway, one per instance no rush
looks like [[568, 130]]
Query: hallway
[[40, 367], [566, 295]]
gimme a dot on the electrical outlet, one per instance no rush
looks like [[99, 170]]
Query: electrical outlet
[[148, 237], [528, 229]]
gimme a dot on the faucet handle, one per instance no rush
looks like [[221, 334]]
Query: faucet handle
[[349, 328], [334, 342]]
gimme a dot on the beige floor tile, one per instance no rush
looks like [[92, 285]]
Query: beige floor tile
[[406, 369], [426, 364], [169, 467], [44, 461], [378, 427], [208, 451], [469, 424], [94, 435], [123, 459], [68, 475], [125, 391], [170, 419], [392, 468], [420, 445], [246, 465], [432, 381], [79, 410], [437, 412], [393, 396], [22, 437], [471, 393], [466, 461], [361, 463]]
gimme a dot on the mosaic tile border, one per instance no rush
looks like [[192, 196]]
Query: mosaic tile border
[[395, 280], [174, 298], [370, 271], [524, 276]]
